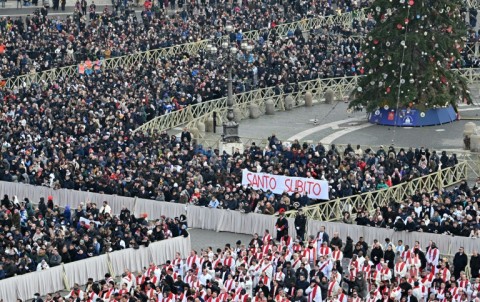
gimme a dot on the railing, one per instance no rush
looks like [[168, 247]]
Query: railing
[[194, 114], [126, 61], [201, 112], [64, 276], [473, 3], [333, 210], [62, 73]]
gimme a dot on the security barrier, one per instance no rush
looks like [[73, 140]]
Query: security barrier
[[65, 276], [191, 115], [332, 210]]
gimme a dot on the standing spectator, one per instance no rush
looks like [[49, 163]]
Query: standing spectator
[[83, 5], [389, 256], [460, 262], [377, 253], [186, 136], [475, 264], [105, 209], [93, 8], [322, 236], [336, 241], [348, 250], [300, 224], [281, 225]]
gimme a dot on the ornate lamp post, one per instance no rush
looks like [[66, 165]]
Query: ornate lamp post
[[226, 56]]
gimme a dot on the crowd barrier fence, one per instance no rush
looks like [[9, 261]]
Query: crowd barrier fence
[[58, 278], [65, 276], [331, 210], [194, 114]]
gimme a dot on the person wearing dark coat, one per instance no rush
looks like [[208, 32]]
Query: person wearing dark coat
[[324, 286], [460, 262], [336, 241], [376, 254], [475, 264], [348, 250], [42, 207], [261, 287], [302, 283], [300, 224], [411, 226], [281, 225], [389, 257], [186, 136], [399, 225]]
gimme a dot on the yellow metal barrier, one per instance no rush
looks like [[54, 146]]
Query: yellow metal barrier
[[333, 210], [191, 115]]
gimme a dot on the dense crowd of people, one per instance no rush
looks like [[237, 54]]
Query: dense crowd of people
[[325, 268], [37, 237], [87, 143], [450, 212], [41, 42]]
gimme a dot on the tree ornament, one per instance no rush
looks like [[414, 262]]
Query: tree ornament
[[399, 26], [411, 2]]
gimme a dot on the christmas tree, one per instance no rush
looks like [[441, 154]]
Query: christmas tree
[[408, 57]]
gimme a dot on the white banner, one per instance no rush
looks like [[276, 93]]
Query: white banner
[[278, 184]]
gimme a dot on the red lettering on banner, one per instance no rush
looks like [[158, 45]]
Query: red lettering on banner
[[262, 181], [299, 186], [317, 189], [249, 178], [273, 183], [308, 186], [288, 184], [313, 188]]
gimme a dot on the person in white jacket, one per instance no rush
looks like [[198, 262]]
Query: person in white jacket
[[248, 285], [105, 209], [314, 292]]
